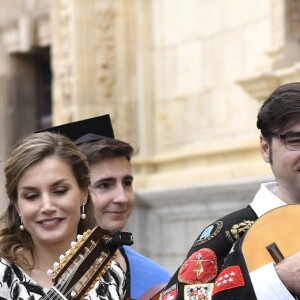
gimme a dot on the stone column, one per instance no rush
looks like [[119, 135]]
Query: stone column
[[83, 59]]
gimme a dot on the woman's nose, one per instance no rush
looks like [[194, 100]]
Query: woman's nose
[[47, 204]]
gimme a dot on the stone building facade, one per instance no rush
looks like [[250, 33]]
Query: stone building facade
[[182, 80]]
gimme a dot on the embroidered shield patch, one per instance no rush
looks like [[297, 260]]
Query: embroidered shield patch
[[170, 293], [200, 267], [230, 277], [198, 291], [209, 233]]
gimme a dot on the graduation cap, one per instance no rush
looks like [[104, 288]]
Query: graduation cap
[[93, 129]]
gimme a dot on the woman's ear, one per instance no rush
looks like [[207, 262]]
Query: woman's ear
[[265, 149], [17, 208], [84, 195]]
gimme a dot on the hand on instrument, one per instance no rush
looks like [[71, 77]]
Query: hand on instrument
[[288, 271]]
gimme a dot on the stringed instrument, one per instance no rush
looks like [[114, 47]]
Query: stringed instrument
[[272, 237], [83, 265]]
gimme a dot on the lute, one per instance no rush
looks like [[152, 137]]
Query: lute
[[82, 265], [274, 231], [272, 237]]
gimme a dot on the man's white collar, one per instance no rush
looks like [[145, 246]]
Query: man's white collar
[[266, 199]]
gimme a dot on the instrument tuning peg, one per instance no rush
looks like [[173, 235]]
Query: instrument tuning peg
[[50, 272], [73, 294]]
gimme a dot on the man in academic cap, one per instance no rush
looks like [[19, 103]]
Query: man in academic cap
[[112, 192]]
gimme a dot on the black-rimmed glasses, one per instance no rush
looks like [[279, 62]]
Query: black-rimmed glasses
[[291, 140]]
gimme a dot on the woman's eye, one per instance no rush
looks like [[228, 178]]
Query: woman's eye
[[60, 190], [30, 196]]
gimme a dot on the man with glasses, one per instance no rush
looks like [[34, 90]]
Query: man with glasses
[[215, 266]]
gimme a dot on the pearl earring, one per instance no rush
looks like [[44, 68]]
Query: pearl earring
[[83, 215], [22, 228]]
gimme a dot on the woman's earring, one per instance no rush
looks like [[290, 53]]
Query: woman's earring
[[22, 228], [83, 215]]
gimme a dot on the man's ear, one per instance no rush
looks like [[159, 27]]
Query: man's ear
[[92, 193], [265, 149]]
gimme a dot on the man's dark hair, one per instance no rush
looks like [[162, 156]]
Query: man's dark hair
[[280, 110], [105, 149]]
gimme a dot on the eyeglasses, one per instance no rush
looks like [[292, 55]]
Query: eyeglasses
[[291, 140]]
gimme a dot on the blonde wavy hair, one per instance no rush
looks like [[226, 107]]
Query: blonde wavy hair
[[29, 150]]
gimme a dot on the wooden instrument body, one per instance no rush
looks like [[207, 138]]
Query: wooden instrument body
[[281, 226]]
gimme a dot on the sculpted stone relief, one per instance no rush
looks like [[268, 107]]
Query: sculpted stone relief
[[64, 65], [105, 47]]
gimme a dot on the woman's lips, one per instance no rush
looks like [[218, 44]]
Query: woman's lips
[[50, 222]]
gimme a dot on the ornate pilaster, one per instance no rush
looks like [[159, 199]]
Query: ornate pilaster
[[105, 49], [83, 59], [63, 64]]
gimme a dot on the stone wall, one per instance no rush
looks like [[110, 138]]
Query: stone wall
[[24, 27], [168, 221], [182, 80]]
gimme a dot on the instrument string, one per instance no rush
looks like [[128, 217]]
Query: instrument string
[[63, 285]]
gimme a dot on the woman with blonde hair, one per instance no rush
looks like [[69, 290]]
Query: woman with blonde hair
[[47, 180]]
